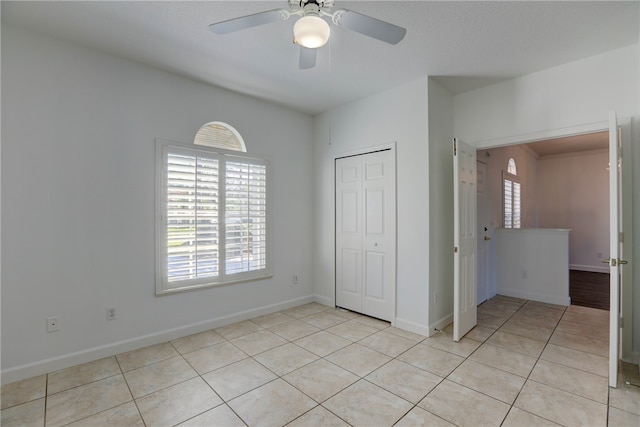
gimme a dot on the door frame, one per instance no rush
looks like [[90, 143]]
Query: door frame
[[624, 126], [358, 152]]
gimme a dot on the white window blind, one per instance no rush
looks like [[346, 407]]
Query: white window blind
[[512, 201], [212, 216]]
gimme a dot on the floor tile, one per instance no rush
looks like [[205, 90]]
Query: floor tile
[[273, 319], [86, 400], [322, 343], [318, 416], [305, 310], [579, 342], [82, 374], [239, 329], [151, 378], [233, 380], [285, 358], [294, 330], [528, 330], [219, 416], [324, 319], [464, 407], [597, 321], [23, 391], [485, 379], [559, 406], [583, 329], [177, 403], [438, 362], [145, 356], [572, 380], [480, 333], [196, 341], [123, 415], [519, 418], [358, 359], [321, 379], [273, 404], [366, 404], [373, 322], [619, 418], [214, 357], [444, 341], [576, 359], [418, 417], [535, 318], [405, 334], [404, 380], [352, 330], [504, 359], [625, 397], [517, 343], [25, 414], [387, 343], [258, 342]]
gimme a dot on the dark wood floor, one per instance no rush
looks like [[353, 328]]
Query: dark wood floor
[[589, 289]]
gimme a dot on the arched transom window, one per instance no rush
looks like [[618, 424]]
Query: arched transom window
[[220, 135]]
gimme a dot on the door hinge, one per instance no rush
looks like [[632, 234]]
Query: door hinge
[[455, 249], [455, 147]]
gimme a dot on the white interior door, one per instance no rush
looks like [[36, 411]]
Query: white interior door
[[615, 249], [465, 241], [365, 234], [483, 233]]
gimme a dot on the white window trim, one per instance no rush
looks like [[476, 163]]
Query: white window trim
[[164, 287]]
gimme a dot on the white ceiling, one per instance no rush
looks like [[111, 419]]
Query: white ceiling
[[466, 44]]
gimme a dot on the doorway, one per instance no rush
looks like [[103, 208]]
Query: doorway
[[365, 187]]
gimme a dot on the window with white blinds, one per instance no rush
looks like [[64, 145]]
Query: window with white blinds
[[512, 201], [212, 216]]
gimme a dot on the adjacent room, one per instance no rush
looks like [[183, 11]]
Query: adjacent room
[[292, 212]]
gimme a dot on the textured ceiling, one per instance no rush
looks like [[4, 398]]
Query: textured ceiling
[[465, 44]]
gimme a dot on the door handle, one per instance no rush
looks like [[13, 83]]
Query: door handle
[[605, 261], [487, 238], [622, 262], [615, 262]]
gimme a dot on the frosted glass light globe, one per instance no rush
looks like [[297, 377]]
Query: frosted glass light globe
[[311, 31]]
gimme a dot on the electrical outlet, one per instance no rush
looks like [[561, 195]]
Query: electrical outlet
[[111, 313], [53, 324], [296, 280]]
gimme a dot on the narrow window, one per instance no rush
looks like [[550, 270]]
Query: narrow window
[[511, 196]]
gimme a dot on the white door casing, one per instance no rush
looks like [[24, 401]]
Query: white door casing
[[483, 234], [365, 234], [614, 249], [465, 240]]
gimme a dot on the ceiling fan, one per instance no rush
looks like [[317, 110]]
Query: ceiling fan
[[311, 31]]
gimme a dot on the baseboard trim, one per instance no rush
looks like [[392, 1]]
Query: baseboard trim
[[549, 299], [410, 326], [591, 268], [441, 323], [324, 300], [45, 366]]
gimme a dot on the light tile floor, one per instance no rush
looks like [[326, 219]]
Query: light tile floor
[[525, 364]]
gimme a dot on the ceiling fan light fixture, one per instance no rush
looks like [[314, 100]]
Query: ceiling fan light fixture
[[311, 31]]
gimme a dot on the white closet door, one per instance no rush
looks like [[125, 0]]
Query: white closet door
[[365, 234]]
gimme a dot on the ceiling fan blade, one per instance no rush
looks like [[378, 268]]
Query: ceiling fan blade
[[369, 26], [307, 58], [237, 24]]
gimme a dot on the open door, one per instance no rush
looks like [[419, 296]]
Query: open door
[[465, 310], [615, 251]]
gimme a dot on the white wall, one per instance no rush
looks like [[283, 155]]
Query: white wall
[[440, 206], [574, 194], [576, 94], [78, 203], [398, 115]]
